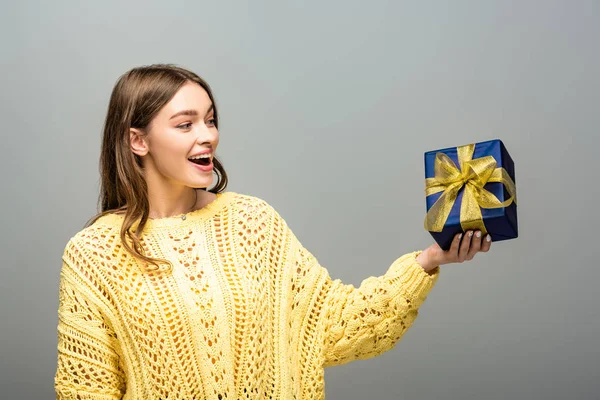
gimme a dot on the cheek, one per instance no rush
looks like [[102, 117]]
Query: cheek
[[170, 152]]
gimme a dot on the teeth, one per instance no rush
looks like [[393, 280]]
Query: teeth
[[207, 155]]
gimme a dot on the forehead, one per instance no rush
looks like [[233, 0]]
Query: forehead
[[190, 96]]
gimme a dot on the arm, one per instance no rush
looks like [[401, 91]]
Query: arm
[[88, 364], [353, 323], [369, 320]]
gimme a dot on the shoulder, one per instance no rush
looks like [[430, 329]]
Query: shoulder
[[255, 211], [251, 205], [95, 240]]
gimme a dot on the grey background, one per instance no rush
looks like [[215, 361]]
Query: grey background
[[327, 109]]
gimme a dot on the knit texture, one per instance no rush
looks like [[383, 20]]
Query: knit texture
[[246, 313]]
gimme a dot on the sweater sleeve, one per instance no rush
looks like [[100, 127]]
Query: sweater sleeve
[[354, 323], [88, 364]]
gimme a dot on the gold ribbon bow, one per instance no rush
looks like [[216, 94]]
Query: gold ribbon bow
[[473, 175]]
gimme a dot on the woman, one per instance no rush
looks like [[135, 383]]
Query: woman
[[175, 291]]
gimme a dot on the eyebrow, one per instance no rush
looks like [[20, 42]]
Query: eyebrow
[[192, 113]]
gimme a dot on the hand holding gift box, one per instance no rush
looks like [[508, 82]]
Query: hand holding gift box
[[470, 187]]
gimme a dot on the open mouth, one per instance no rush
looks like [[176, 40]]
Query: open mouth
[[200, 161]]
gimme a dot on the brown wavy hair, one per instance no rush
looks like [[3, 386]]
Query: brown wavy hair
[[136, 99]]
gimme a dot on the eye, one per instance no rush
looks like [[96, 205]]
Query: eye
[[187, 125], [212, 122]]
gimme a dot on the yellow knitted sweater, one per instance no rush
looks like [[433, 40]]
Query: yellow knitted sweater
[[246, 312]]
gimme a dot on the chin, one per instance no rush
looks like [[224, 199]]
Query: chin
[[201, 185]]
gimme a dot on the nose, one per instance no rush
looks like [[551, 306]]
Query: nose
[[206, 134]]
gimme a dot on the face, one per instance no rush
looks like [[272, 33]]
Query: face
[[183, 129]]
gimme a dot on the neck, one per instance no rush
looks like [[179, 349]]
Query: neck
[[170, 201]]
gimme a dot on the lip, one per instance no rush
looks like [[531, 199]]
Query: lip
[[203, 168], [200, 153]]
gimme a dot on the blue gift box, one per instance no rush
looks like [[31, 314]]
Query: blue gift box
[[500, 223]]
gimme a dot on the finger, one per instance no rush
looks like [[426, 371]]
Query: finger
[[464, 246], [453, 251], [475, 245], [486, 243]]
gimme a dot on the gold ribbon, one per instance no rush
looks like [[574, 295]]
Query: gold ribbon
[[473, 175]]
